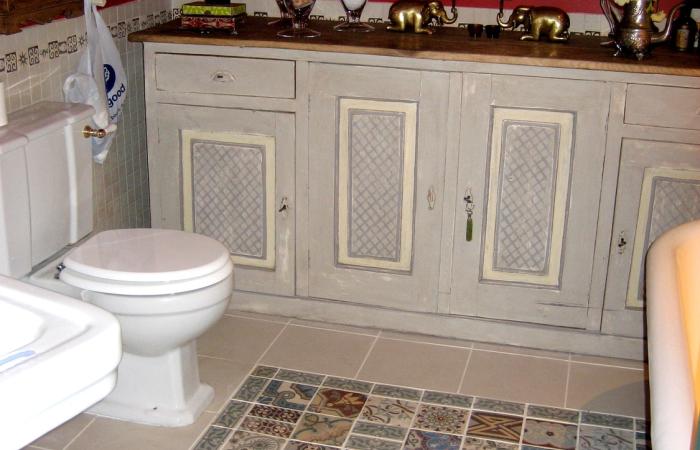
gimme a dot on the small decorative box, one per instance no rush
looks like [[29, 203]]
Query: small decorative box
[[208, 9], [205, 23]]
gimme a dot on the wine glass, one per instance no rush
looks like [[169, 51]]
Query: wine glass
[[353, 10], [285, 19], [300, 11]]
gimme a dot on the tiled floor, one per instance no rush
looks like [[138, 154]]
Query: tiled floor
[[368, 389]]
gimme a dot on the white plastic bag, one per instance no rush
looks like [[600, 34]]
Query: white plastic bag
[[100, 80]]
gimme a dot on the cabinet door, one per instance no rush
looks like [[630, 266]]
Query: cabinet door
[[658, 189], [377, 149], [531, 158], [236, 169]]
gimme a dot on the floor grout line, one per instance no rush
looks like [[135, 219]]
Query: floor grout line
[[566, 386], [418, 341], [464, 372], [357, 333], [371, 348], [80, 433]]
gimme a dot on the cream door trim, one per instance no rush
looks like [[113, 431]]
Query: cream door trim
[[410, 112], [268, 144]]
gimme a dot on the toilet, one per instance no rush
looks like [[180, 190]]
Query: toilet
[[166, 287]]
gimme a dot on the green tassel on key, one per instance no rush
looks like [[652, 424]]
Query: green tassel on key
[[470, 228]]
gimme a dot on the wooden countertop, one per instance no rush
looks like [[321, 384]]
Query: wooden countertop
[[448, 44]]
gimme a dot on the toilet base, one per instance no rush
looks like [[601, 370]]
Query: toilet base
[[162, 390]]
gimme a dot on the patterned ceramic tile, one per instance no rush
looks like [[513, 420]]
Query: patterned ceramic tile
[[267, 426], [546, 412], [599, 438], [441, 398], [607, 420], [287, 395], [471, 443], [264, 371], [212, 439], [426, 440], [349, 385], [389, 411], [501, 406], [367, 443], [300, 377], [495, 426], [549, 434], [233, 412], [297, 445], [322, 429], [251, 388], [242, 440], [441, 418], [395, 391], [378, 430], [642, 425], [275, 413], [335, 402], [642, 440]]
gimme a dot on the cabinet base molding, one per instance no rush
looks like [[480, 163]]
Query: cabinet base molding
[[449, 326]]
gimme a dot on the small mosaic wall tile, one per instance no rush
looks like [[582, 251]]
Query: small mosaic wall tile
[[300, 377], [322, 429], [395, 391], [389, 411], [233, 412], [368, 443], [607, 420], [642, 440], [243, 440], [275, 413], [441, 418], [546, 412], [442, 398], [287, 395], [471, 443], [250, 389], [212, 439], [378, 430], [267, 426], [349, 385], [264, 371], [427, 440], [600, 438], [336, 402], [642, 425], [298, 445], [488, 404], [495, 426], [549, 434]]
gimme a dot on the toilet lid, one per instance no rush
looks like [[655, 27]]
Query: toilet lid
[[146, 262]]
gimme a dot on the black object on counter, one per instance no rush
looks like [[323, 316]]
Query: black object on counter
[[684, 30]]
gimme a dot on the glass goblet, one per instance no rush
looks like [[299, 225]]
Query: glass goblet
[[300, 11], [353, 10], [285, 19]]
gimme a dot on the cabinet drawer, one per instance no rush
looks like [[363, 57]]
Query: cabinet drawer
[[224, 75], [661, 106]]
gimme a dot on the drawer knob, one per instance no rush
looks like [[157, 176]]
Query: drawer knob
[[222, 76]]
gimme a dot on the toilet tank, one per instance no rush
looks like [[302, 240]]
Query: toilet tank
[[55, 174]]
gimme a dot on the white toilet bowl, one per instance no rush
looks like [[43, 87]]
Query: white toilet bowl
[[166, 288]]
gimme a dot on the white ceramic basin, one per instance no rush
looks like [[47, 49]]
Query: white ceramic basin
[[58, 356]]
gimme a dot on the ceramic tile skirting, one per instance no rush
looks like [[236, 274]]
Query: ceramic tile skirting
[[276, 408]]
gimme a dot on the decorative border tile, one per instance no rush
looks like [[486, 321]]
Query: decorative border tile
[[250, 389], [264, 371], [607, 420], [368, 443], [379, 430], [347, 384], [243, 440], [232, 414], [489, 404], [471, 443], [442, 398], [396, 391], [298, 445], [548, 412], [300, 377], [212, 439], [600, 438]]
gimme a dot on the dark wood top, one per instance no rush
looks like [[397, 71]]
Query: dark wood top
[[447, 44]]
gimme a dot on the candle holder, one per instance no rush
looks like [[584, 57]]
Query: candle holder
[[353, 10], [300, 11]]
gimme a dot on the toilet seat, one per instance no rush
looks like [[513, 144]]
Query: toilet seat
[[142, 262]]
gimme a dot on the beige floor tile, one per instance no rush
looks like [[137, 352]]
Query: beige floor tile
[[629, 363], [516, 378], [607, 389], [426, 339], [316, 350], [108, 434], [520, 350], [415, 364], [59, 437], [335, 327], [252, 315], [224, 376], [239, 339]]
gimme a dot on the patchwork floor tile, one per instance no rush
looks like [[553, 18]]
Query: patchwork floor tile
[[428, 440], [297, 445], [547, 412], [441, 418], [336, 402], [212, 439], [607, 420], [264, 371], [243, 440], [471, 443], [549, 434], [232, 414], [287, 395], [389, 411], [348, 385], [488, 404], [355, 442], [275, 413], [267, 426], [250, 389], [495, 426], [378, 430], [396, 391], [322, 429], [601, 438], [300, 377], [442, 398]]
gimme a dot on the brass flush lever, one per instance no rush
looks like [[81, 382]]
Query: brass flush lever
[[89, 132]]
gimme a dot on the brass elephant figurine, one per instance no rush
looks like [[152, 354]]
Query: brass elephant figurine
[[415, 15], [538, 20]]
